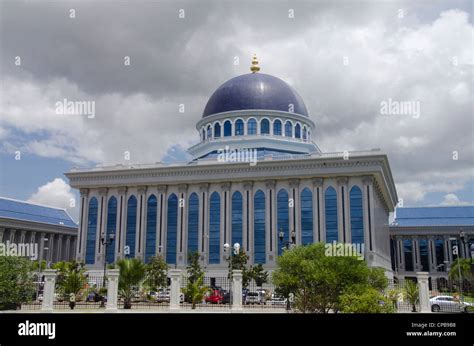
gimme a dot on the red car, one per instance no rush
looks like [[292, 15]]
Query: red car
[[216, 297]]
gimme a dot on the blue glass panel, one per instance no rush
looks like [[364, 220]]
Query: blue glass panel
[[252, 127], [239, 128], [217, 130], [407, 245], [357, 215], [439, 245], [171, 232], [111, 224], [214, 228], [283, 223], [237, 218], [306, 216], [288, 129], [193, 223], [423, 244], [259, 227], [131, 225], [151, 213], [331, 215], [91, 231], [227, 128], [265, 127], [277, 128]]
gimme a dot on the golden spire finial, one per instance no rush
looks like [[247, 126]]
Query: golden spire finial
[[254, 68]]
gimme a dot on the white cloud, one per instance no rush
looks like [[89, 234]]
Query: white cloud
[[56, 193], [452, 199]]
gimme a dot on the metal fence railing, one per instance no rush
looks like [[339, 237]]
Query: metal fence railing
[[447, 296], [216, 293]]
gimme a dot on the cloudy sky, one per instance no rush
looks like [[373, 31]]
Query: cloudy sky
[[344, 58]]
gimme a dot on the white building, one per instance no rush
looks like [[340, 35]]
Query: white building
[[292, 187]]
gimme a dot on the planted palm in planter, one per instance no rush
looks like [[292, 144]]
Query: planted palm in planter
[[411, 293], [132, 272]]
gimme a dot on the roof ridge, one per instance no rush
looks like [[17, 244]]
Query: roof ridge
[[31, 203]]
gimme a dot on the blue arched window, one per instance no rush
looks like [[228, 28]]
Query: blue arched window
[[239, 128], [331, 215], [306, 216], [209, 131], [252, 127], [259, 227], [298, 131], [265, 127], [357, 215], [237, 218], [193, 223], [288, 129], [439, 251], [283, 223], [91, 231], [227, 128], [217, 130], [131, 225], [171, 231], [408, 253], [425, 263], [111, 224], [214, 228], [150, 243], [304, 133], [277, 127]]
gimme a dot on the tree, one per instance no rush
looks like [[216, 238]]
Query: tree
[[411, 293], [195, 289], [36, 265], [369, 300], [16, 282], [156, 273], [194, 269], [70, 278], [132, 272], [239, 262], [318, 281], [259, 275], [463, 265]]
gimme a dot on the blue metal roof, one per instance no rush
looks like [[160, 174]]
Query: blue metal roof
[[435, 216], [255, 91], [25, 211]]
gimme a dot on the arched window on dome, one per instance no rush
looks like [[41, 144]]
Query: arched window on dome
[[239, 128], [217, 130], [209, 131], [203, 135], [265, 127], [252, 127], [304, 133], [277, 127], [298, 131], [227, 128], [288, 129]]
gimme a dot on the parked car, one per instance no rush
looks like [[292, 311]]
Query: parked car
[[277, 300], [255, 298], [162, 296], [449, 304], [215, 297]]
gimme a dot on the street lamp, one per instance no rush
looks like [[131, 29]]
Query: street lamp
[[286, 244], [40, 262]]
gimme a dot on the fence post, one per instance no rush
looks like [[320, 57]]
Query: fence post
[[112, 290], [424, 291], [237, 290], [175, 275], [48, 290]]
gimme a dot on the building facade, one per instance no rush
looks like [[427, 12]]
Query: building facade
[[256, 174], [52, 229], [429, 239]]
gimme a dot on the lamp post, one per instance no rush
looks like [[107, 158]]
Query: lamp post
[[40, 263], [458, 257], [236, 250], [106, 241], [286, 245]]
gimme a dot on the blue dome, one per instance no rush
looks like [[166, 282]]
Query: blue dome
[[254, 91]]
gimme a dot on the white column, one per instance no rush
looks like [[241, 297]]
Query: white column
[[48, 291], [182, 224], [162, 240], [175, 275], [203, 220], [12, 235], [81, 243], [141, 223], [317, 193], [112, 290], [296, 210], [50, 247], [424, 292], [101, 220], [59, 248], [344, 233], [237, 290], [368, 200], [431, 254], [400, 253], [251, 223], [121, 217], [22, 237], [67, 254], [270, 217]]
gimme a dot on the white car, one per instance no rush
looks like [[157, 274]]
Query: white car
[[277, 300], [448, 304]]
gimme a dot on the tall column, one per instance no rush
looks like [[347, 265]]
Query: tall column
[[41, 246], [22, 237], [344, 216], [247, 198], [424, 293], [50, 247], [368, 209], [400, 253], [67, 249], [248, 186], [121, 217], [317, 211], [182, 224], [59, 248], [237, 290], [101, 216], [432, 254], [416, 254], [81, 243], [12, 235], [175, 275], [141, 223], [295, 212], [224, 230], [72, 247], [271, 220], [203, 221], [112, 290]]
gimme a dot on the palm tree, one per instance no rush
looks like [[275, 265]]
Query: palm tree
[[411, 293], [132, 272], [195, 290], [460, 265]]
